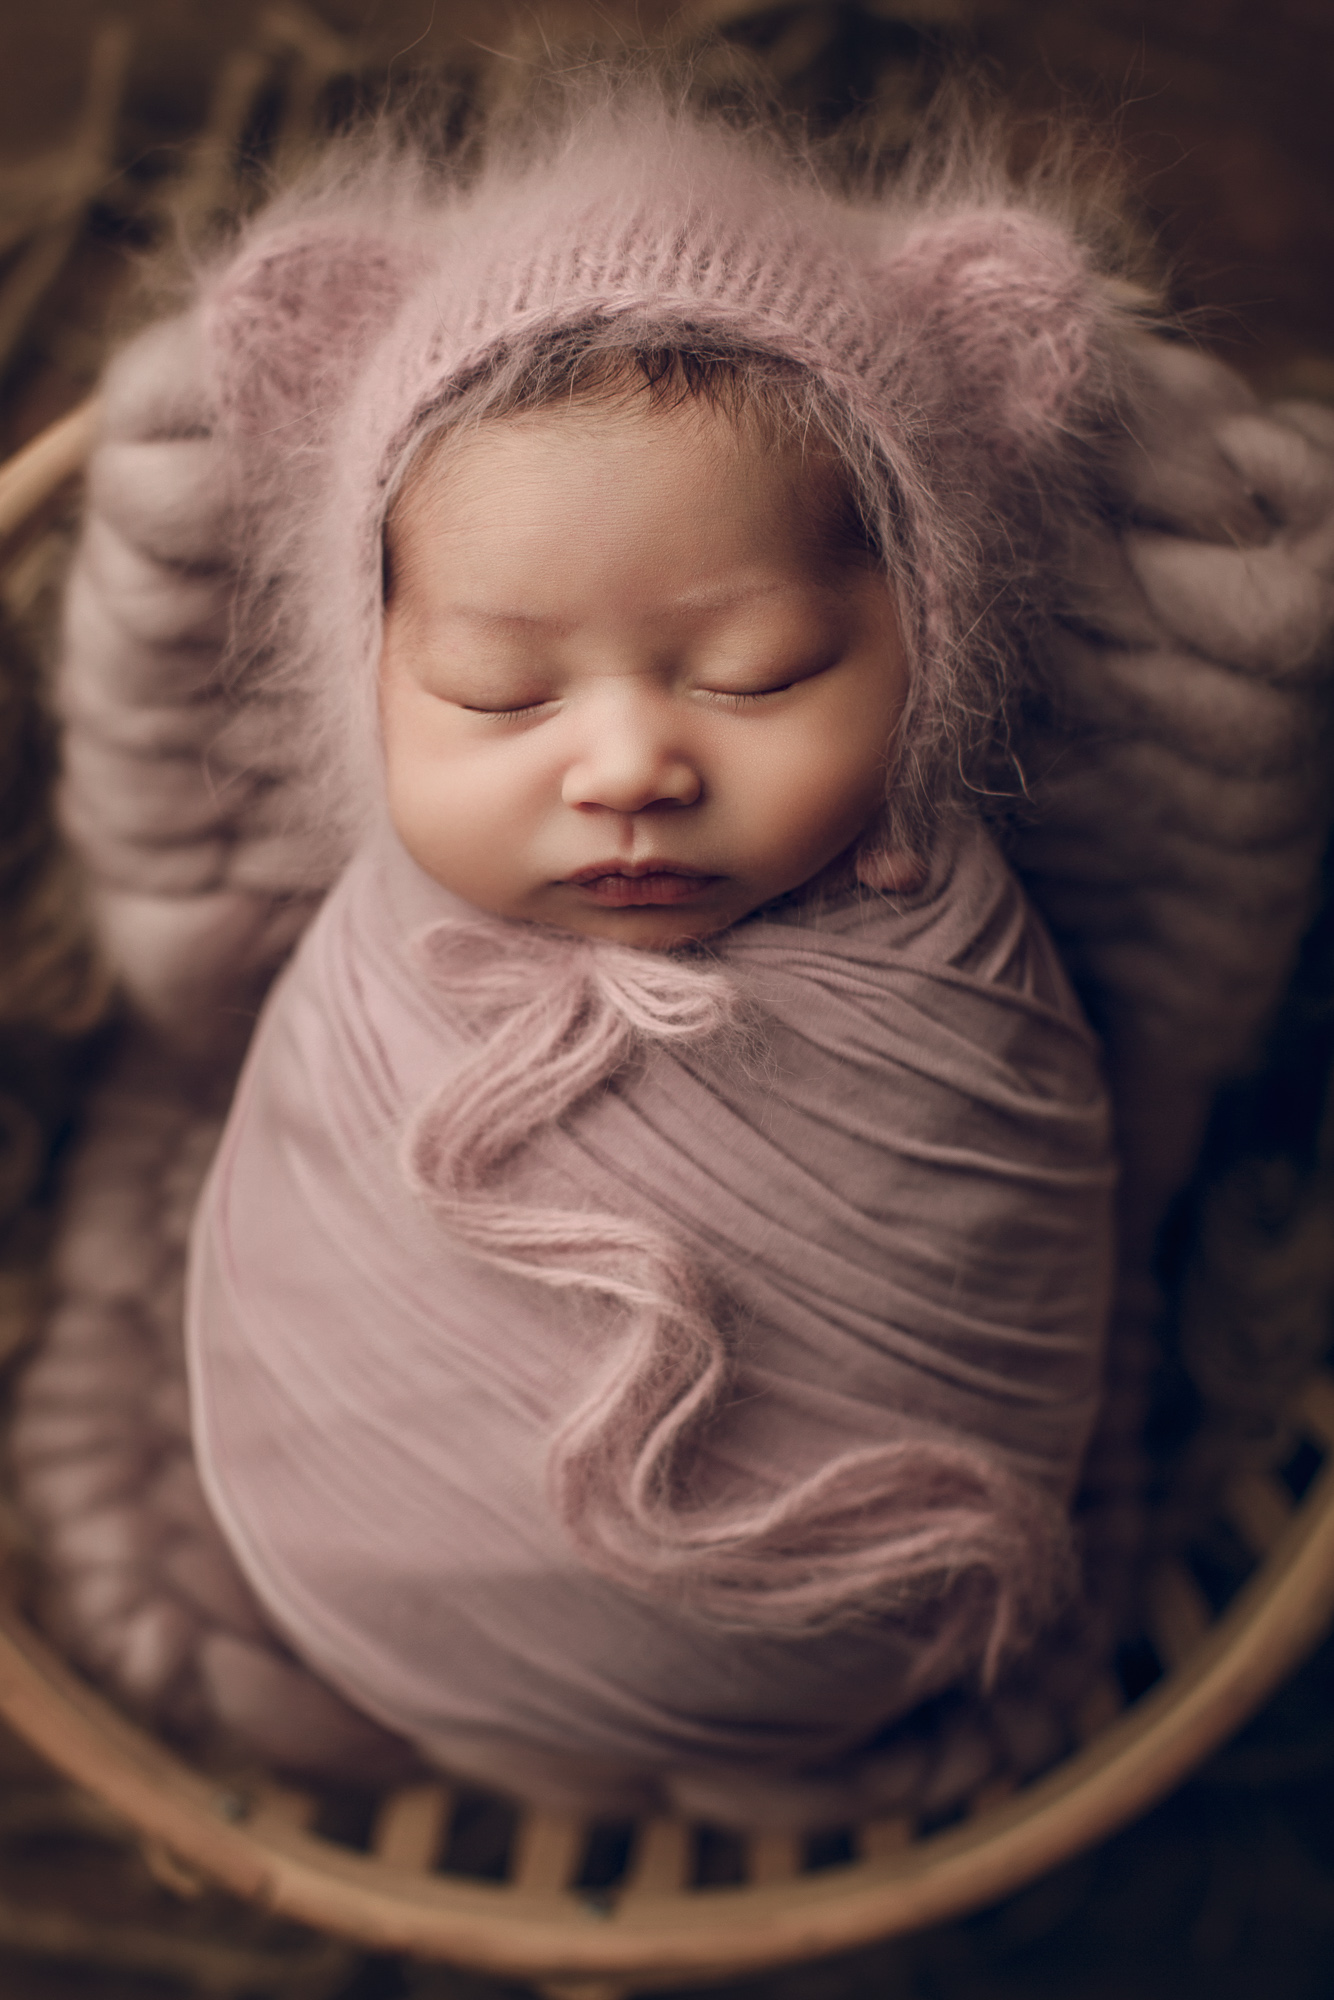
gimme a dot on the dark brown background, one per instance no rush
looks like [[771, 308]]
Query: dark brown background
[[1221, 112], [1222, 109]]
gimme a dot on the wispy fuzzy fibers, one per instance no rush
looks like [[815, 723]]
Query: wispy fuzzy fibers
[[929, 1528]]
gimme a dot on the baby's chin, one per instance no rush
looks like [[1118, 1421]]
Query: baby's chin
[[644, 927], [667, 918], [645, 930]]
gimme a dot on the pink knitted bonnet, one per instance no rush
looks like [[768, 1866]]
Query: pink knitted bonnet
[[960, 342]]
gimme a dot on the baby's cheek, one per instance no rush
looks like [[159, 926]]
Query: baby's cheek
[[415, 824], [455, 806], [832, 786], [416, 789]]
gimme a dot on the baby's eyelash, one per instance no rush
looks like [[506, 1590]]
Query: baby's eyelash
[[723, 697], [509, 714], [729, 699]]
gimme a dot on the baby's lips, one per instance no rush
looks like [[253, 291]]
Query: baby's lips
[[656, 886], [654, 864]]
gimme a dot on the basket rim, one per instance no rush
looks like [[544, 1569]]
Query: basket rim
[[37, 471], [1128, 1766]]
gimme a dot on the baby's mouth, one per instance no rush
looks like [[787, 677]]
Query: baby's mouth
[[624, 885]]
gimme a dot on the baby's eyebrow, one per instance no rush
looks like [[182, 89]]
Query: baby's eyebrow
[[732, 596], [726, 597], [477, 614]]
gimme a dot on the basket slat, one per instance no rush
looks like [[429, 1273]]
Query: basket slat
[[660, 1861], [280, 1805], [1260, 1509], [35, 474], [410, 1827], [773, 1857], [1178, 1613], [1099, 1708], [1316, 1406], [879, 1839], [168, 1870], [547, 1850]]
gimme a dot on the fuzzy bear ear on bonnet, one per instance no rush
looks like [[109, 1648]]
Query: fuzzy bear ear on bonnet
[[289, 326], [1005, 313]]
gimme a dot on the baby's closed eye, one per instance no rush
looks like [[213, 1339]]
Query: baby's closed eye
[[513, 690], [510, 709], [740, 685], [504, 686]]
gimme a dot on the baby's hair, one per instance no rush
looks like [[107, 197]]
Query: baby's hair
[[606, 367]]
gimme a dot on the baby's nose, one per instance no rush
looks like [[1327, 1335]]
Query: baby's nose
[[630, 765]]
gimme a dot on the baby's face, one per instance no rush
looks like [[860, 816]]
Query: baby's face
[[626, 688]]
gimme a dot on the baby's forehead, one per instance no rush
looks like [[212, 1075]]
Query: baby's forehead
[[593, 463]]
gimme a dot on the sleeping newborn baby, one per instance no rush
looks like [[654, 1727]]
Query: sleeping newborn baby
[[693, 1397], [645, 1316]]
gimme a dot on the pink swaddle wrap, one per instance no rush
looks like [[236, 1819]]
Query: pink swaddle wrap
[[901, 1182]]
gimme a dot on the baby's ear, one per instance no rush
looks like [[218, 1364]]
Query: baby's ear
[[289, 323], [1005, 312]]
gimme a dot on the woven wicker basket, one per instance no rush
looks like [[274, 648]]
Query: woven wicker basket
[[580, 1915]]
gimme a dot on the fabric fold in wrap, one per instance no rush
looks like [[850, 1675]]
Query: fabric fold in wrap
[[895, 1185]]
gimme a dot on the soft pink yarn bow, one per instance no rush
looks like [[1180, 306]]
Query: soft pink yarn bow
[[927, 1526]]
